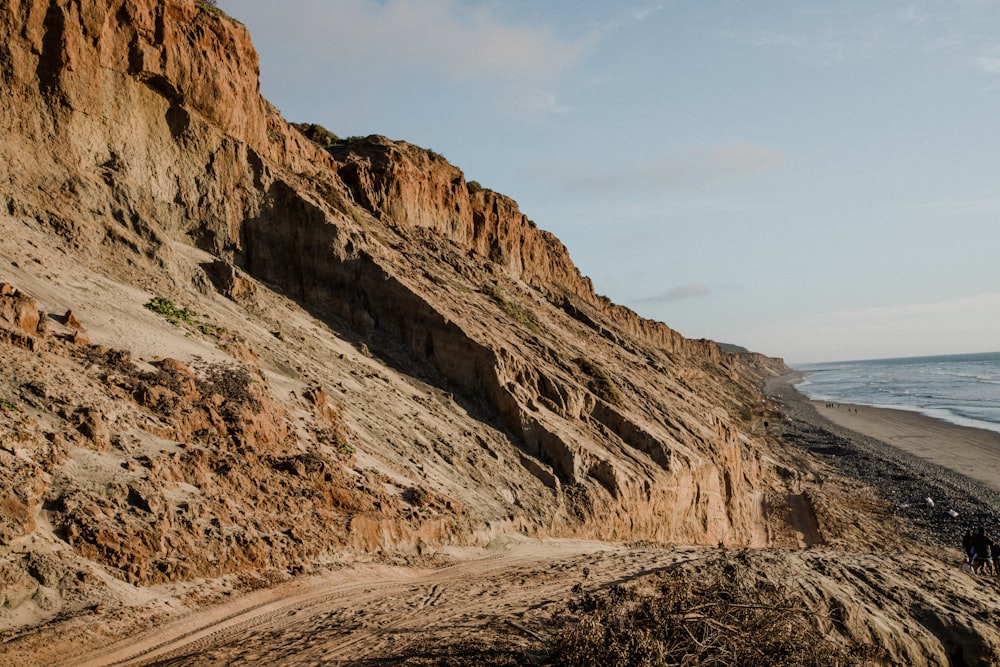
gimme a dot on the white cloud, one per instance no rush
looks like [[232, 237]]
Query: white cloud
[[678, 170], [642, 13], [966, 324], [547, 103], [989, 64], [440, 34], [361, 47], [679, 293], [854, 34], [621, 19]]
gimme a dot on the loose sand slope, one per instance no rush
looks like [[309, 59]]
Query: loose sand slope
[[876, 580]]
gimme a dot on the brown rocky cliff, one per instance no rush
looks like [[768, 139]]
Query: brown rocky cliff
[[138, 155], [407, 185], [151, 119]]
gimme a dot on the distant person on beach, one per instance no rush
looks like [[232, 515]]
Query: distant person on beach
[[982, 547], [967, 545]]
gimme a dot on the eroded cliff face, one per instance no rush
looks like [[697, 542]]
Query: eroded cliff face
[[415, 362], [407, 186]]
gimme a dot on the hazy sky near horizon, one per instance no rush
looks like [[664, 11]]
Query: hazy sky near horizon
[[813, 180]]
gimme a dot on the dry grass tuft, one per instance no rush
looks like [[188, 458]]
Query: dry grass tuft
[[600, 382], [713, 613]]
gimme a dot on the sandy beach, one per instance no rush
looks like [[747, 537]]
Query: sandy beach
[[972, 452]]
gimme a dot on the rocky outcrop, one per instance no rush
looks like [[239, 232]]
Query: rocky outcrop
[[408, 186], [153, 120]]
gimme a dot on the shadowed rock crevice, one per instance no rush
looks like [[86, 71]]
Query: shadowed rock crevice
[[52, 59]]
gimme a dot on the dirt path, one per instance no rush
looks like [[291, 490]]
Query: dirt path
[[509, 592]]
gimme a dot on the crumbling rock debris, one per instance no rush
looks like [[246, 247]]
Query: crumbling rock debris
[[92, 424], [70, 320], [18, 309]]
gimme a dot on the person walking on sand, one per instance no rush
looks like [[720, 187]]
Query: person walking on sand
[[981, 550]]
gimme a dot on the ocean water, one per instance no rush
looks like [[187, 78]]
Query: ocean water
[[962, 389]]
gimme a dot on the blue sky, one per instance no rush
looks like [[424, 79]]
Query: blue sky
[[813, 180]]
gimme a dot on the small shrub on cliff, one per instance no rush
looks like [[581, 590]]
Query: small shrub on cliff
[[434, 155], [317, 134], [334, 437], [210, 329], [163, 306], [7, 405], [515, 311], [600, 382], [212, 7]]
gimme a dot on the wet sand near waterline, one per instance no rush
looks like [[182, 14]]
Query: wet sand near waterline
[[972, 452]]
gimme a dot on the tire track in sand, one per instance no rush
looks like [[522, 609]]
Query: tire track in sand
[[382, 613]]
